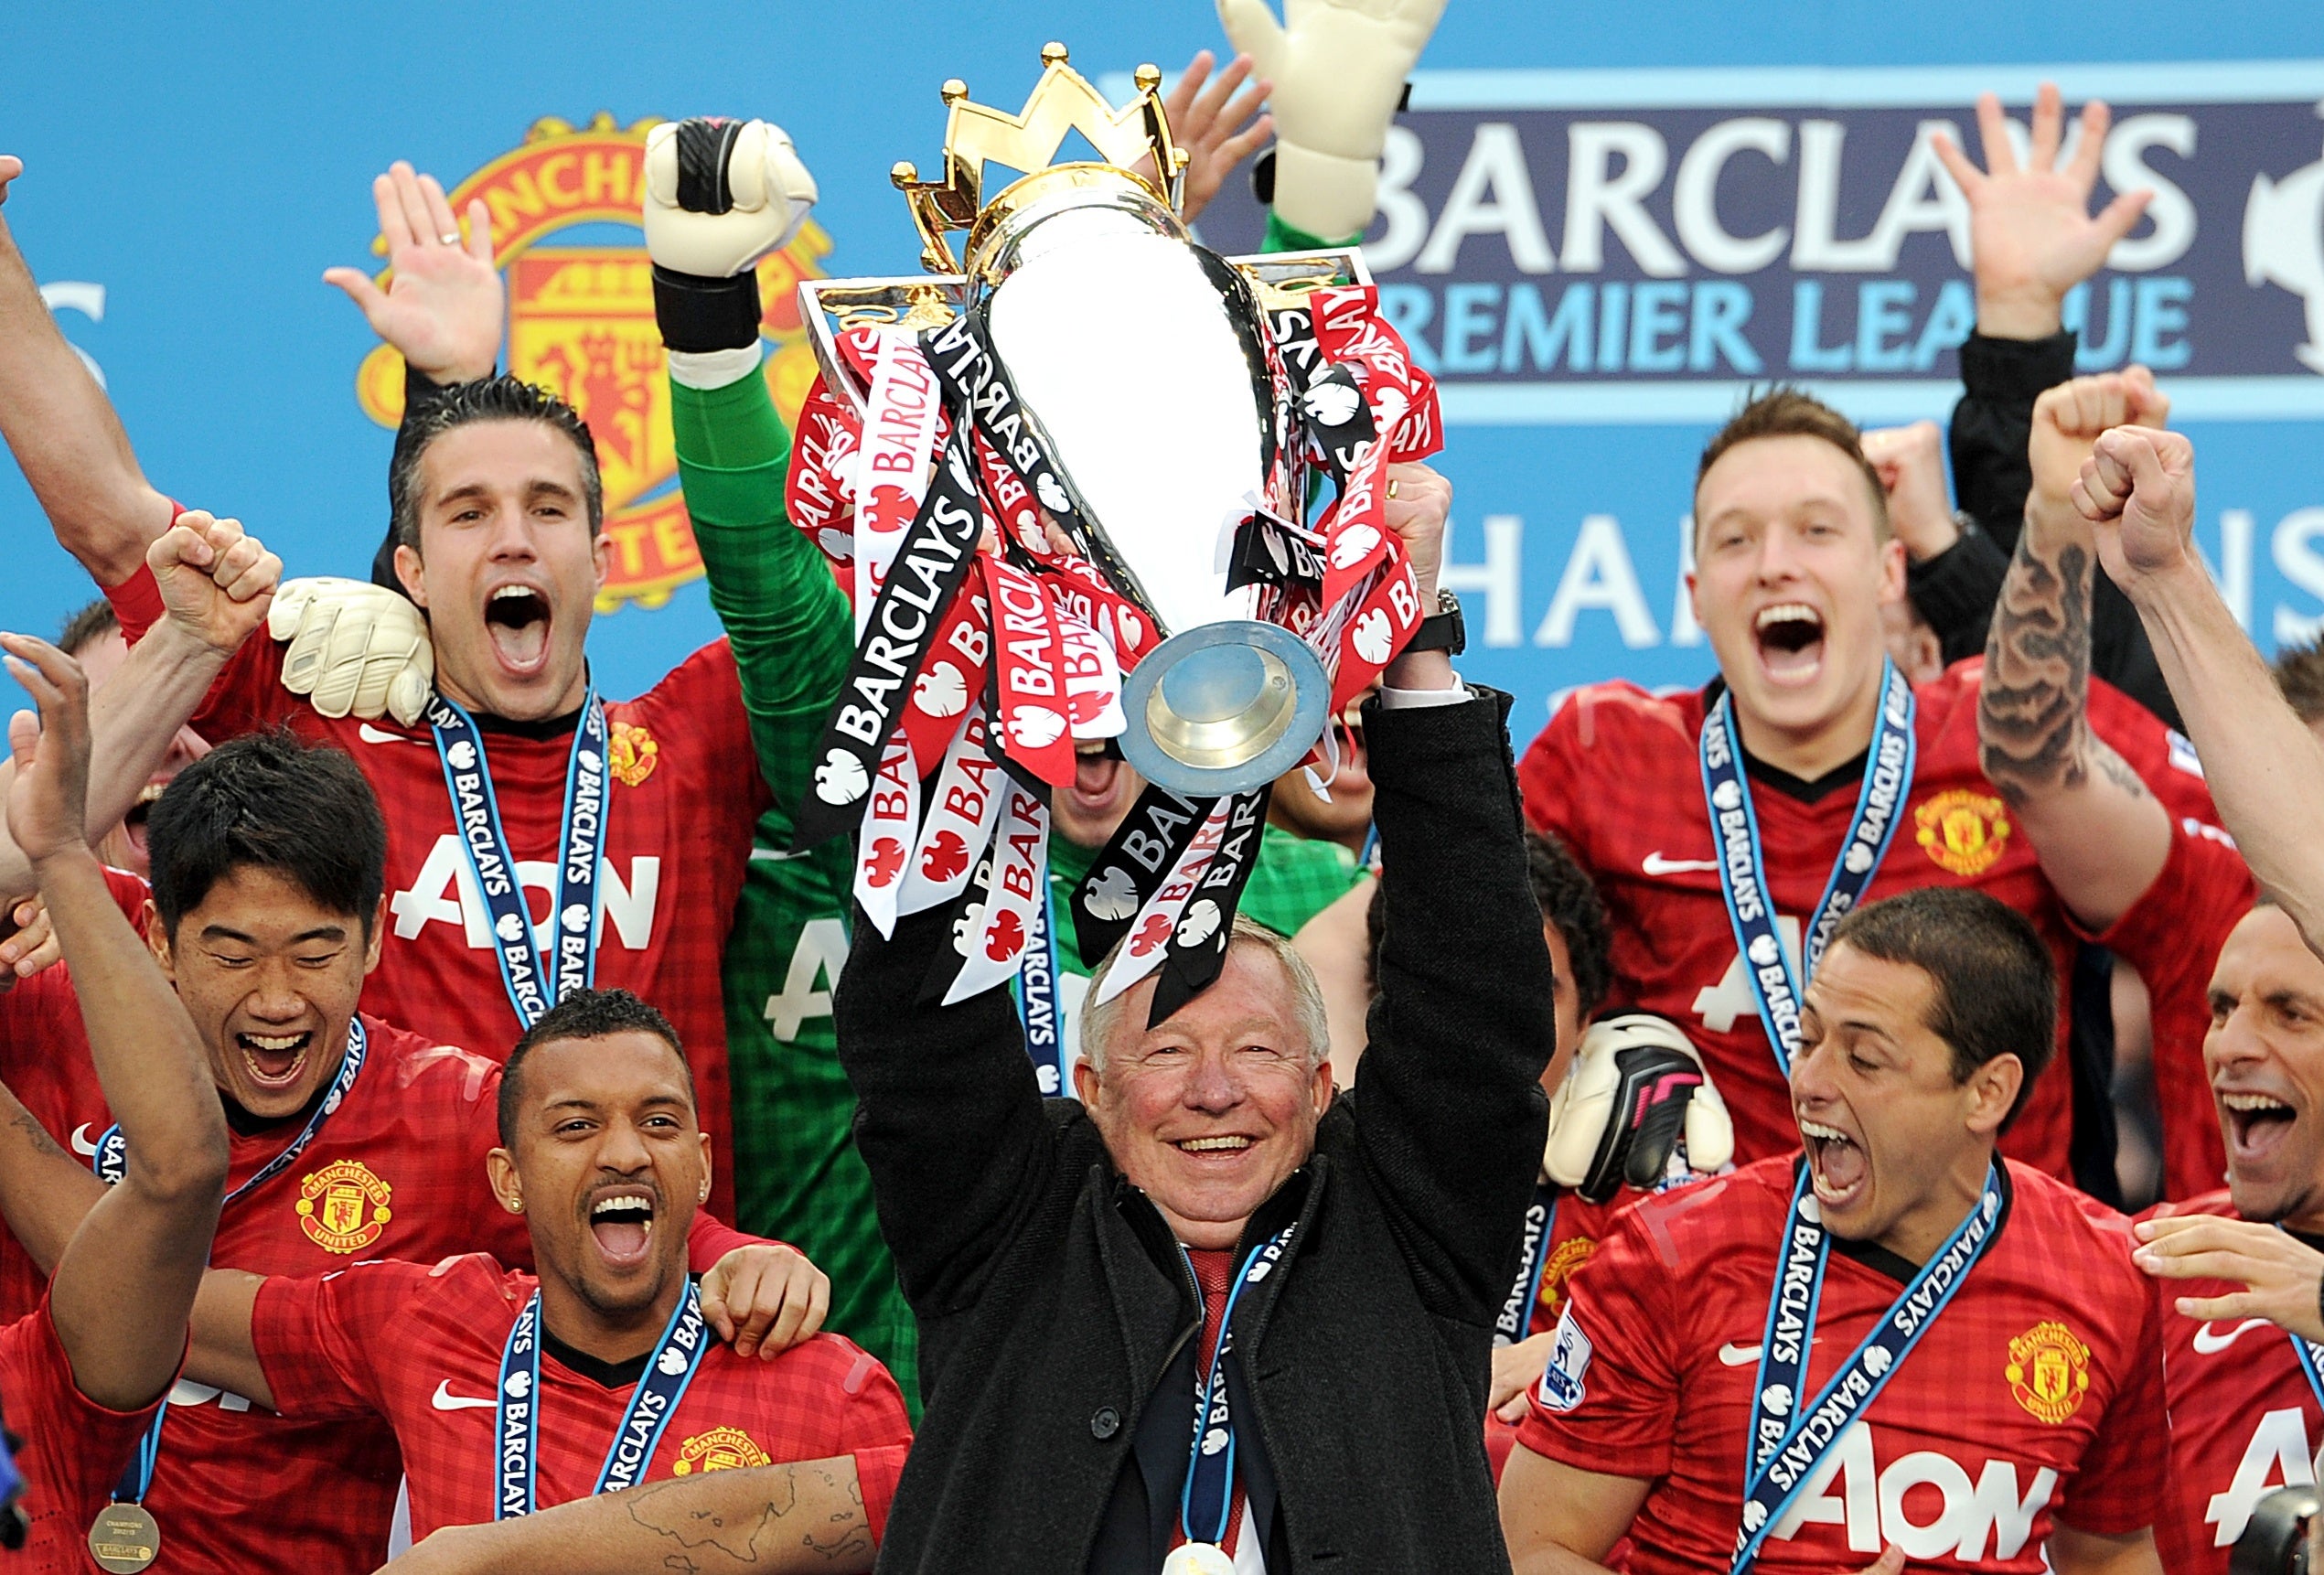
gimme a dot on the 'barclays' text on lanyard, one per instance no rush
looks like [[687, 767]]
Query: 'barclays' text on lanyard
[[1791, 1435], [1742, 870], [668, 1373], [536, 978], [110, 1162], [1206, 1501]]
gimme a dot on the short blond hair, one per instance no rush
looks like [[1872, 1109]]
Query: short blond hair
[[1099, 1019]]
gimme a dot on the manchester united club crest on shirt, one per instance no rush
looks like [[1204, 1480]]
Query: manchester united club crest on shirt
[[1564, 1259], [632, 754], [1964, 831], [343, 1207], [2048, 1371], [721, 1448]]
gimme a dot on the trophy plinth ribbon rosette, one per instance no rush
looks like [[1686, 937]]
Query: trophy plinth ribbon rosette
[[1067, 476]]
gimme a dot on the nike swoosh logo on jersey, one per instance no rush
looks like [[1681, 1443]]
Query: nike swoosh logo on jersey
[[82, 1143], [1730, 1355], [1654, 863], [443, 1400], [370, 735], [2208, 1343]]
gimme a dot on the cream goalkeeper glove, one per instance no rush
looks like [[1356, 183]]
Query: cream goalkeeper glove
[[722, 194], [356, 648], [1338, 68], [1636, 1083]]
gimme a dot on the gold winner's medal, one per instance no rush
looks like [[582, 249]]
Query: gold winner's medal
[[125, 1538], [1198, 1559]]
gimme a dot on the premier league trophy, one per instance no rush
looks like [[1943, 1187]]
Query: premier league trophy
[[1067, 473]]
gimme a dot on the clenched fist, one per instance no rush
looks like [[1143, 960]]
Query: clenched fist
[[722, 194], [2138, 490]]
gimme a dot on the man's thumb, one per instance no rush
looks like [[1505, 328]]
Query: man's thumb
[[1889, 1563]]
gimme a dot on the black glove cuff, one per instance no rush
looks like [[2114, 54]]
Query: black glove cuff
[[699, 315]]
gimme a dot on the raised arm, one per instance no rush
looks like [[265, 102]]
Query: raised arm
[[63, 432], [783, 612], [217, 583], [2034, 240], [1449, 1110], [127, 1278], [2101, 836], [760, 1520], [2264, 768]]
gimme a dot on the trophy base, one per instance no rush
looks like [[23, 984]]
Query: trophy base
[[1223, 708]]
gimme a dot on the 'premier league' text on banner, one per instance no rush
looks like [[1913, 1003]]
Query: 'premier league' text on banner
[[1634, 246]]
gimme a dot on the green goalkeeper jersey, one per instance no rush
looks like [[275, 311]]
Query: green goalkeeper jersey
[[797, 1176]]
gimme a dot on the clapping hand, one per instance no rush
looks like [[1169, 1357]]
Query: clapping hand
[[48, 801]]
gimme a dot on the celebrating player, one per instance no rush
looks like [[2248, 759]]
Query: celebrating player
[[1807, 779], [2246, 1422], [506, 1393], [1897, 1347], [353, 1138], [520, 781], [81, 1376]]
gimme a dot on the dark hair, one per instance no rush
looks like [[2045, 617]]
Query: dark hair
[[87, 626], [269, 801], [2299, 678], [585, 1015], [1783, 412], [1569, 900], [497, 398], [1995, 988]]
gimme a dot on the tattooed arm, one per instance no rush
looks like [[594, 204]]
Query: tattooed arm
[[2102, 838], [763, 1521]]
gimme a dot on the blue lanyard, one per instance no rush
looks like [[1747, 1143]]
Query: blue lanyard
[[1541, 1224], [111, 1162], [1791, 1436], [571, 959], [1037, 996], [2311, 1359], [1742, 869], [1206, 1501], [668, 1373]]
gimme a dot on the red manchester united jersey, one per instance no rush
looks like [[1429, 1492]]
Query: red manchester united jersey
[[74, 1450], [2035, 1395], [2172, 936], [2244, 1420], [421, 1347], [685, 789], [1617, 777], [396, 1171]]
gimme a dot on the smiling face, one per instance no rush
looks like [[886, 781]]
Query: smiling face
[[1791, 577], [1211, 1112], [123, 847], [508, 566], [607, 1157], [2265, 1054], [271, 979], [1897, 1149]]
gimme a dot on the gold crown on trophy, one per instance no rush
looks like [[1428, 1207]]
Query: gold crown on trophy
[[1131, 140]]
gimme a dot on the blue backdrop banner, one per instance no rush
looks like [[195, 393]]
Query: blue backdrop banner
[[1596, 230]]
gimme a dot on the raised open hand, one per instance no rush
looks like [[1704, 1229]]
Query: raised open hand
[[1211, 118], [2030, 225], [442, 307]]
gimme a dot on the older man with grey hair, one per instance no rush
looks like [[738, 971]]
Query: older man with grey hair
[[1208, 1317]]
